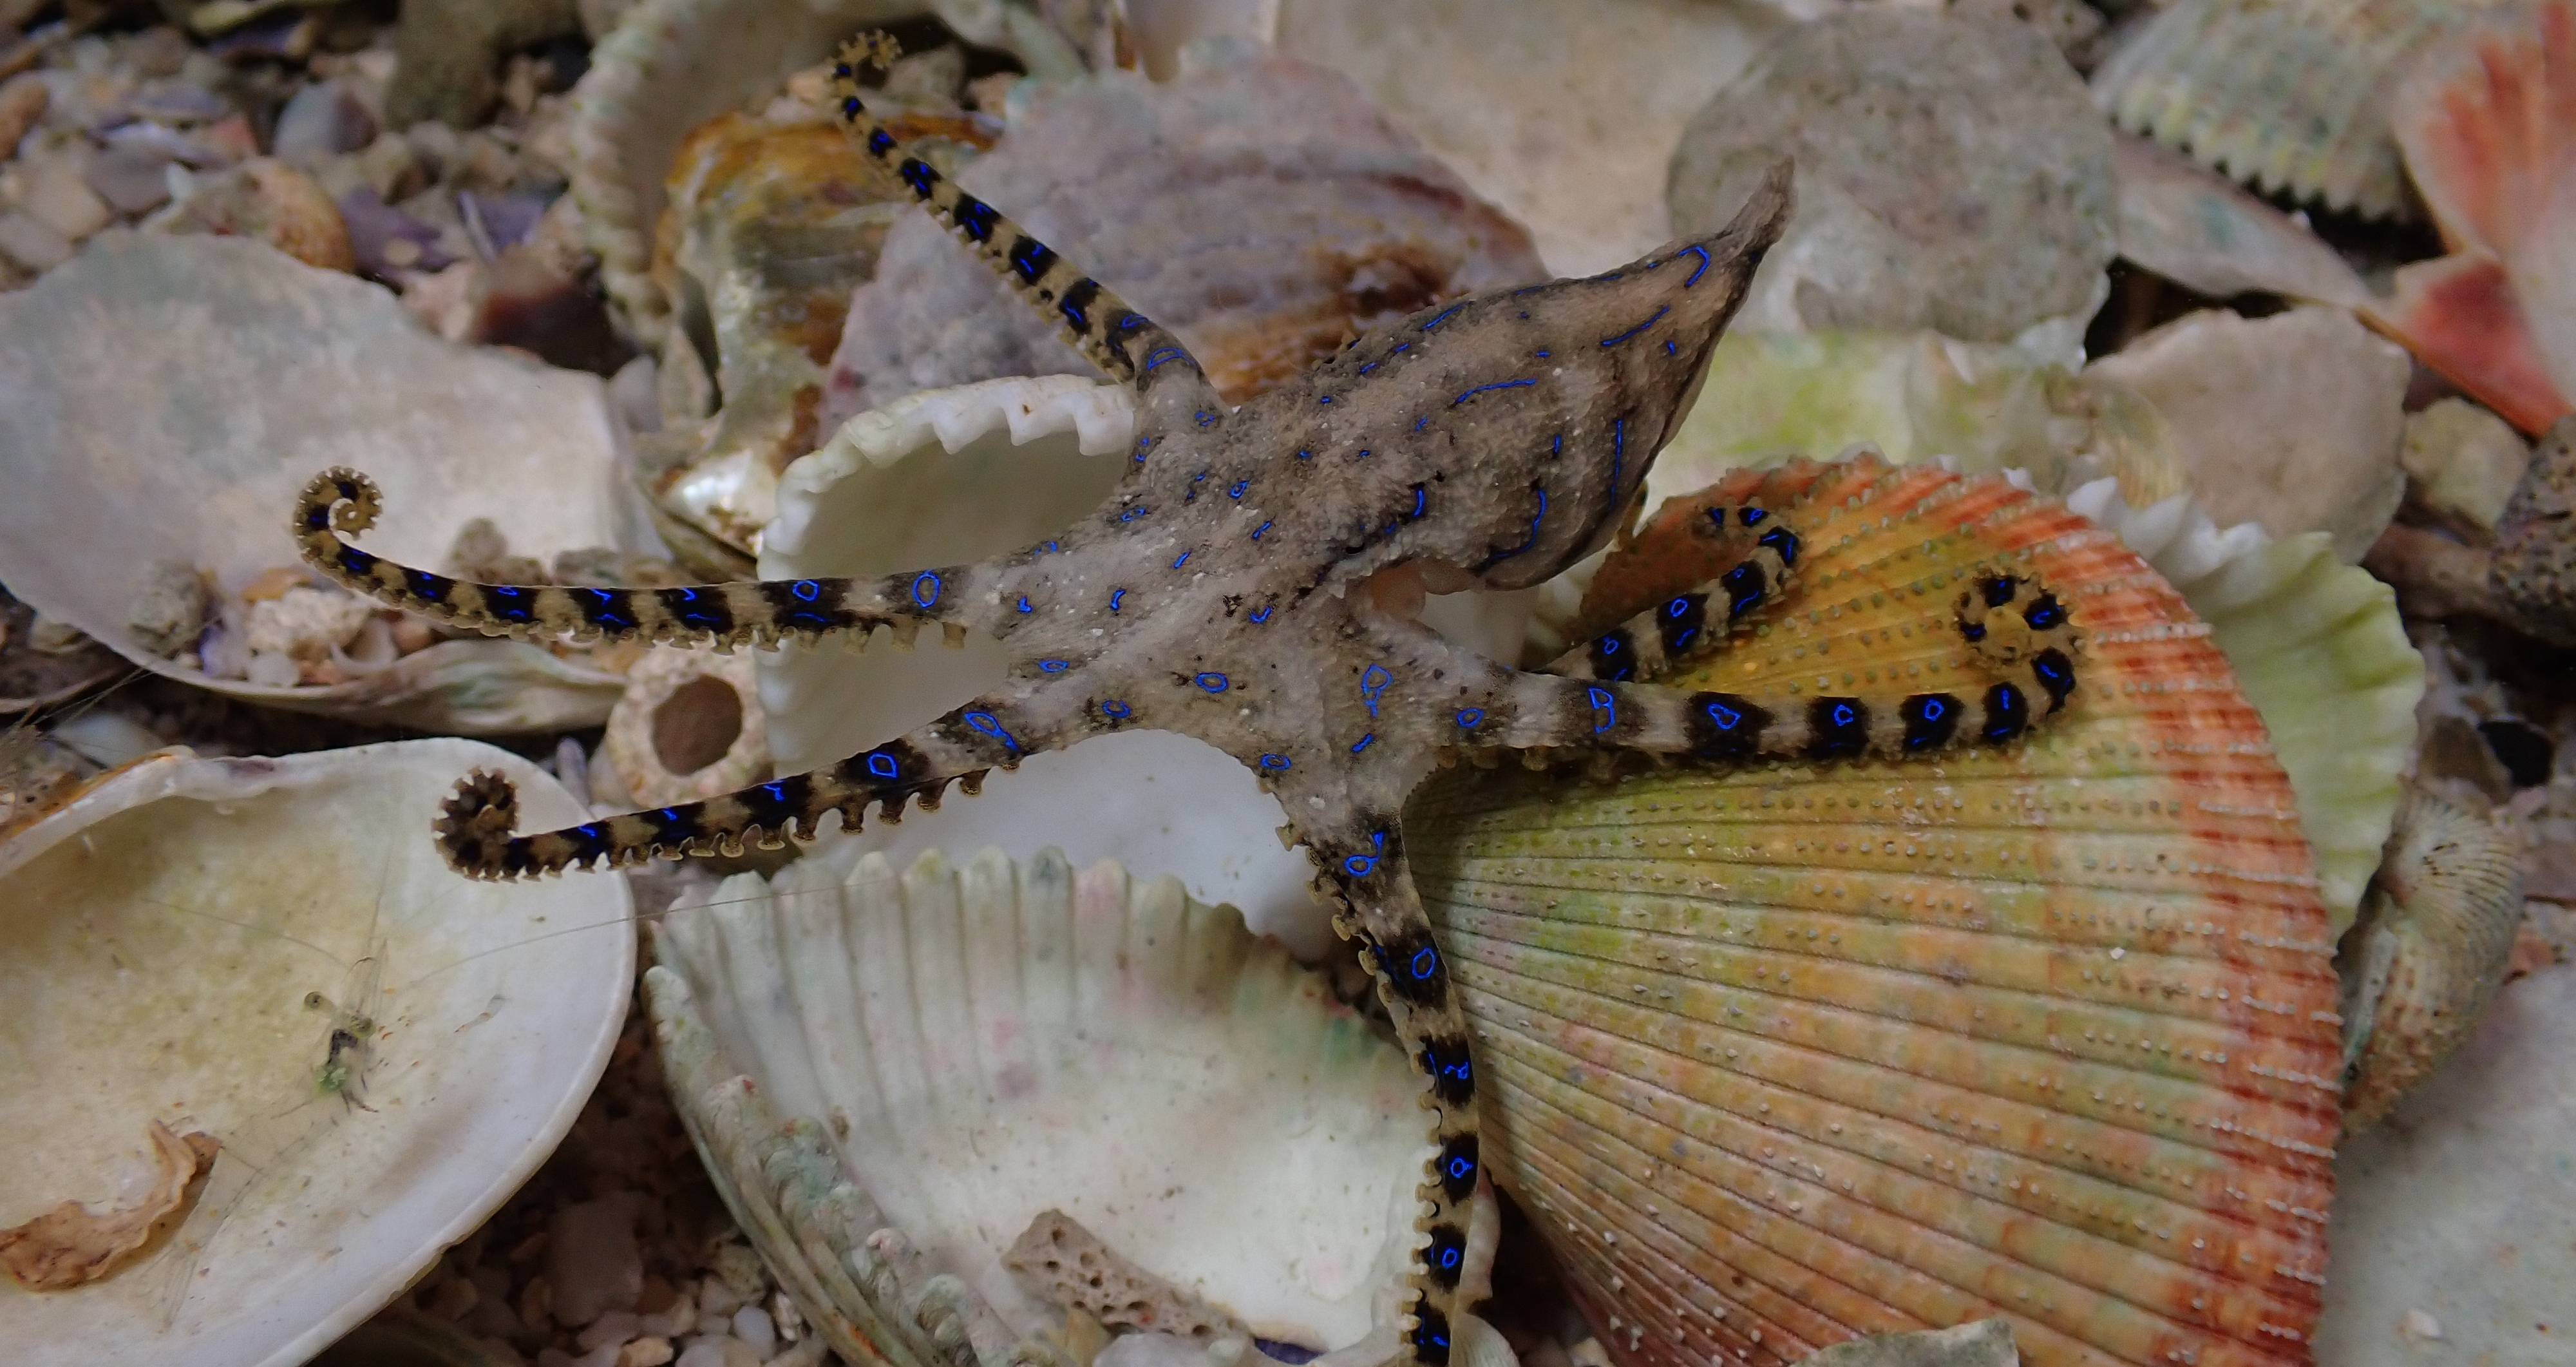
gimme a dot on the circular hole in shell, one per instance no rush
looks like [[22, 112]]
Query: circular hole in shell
[[696, 725]]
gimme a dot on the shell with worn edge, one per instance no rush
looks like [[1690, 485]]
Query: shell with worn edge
[[162, 397], [159, 936], [1786, 1055], [969, 1049]]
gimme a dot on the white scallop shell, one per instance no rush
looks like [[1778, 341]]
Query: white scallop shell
[[977, 1046], [163, 399], [157, 938]]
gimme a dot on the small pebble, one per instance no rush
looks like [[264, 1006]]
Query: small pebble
[[717, 1297], [22, 102], [613, 1327], [31, 244], [454, 1297], [592, 1259], [645, 1352], [324, 120], [753, 1326], [269, 669], [54, 194], [130, 177]]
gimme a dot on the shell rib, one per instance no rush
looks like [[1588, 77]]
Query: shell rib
[[1787, 1055]]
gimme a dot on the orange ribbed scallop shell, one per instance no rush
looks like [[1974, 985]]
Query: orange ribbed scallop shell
[[1786, 1055]]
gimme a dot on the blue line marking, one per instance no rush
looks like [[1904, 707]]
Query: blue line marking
[[1498, 384], [1541, 353], [1116, 597], [1618, 452], [1445, 316], [1257, 531], [1323, 398], [1372, 365], [1206, 418], [1238, 488], [1364, 742], [1672, 348], [1659, 313], [1702, 254], [1162, 354], [1262, 616], [1024, 604], [1305, 455], [1185, 559]]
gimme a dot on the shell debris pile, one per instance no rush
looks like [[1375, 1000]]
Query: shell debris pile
[[2247, 326]]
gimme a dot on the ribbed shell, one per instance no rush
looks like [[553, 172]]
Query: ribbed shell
[[2290, 96], [1785, 1055]]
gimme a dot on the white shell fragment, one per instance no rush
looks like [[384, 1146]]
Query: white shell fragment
[[2197, 229], [159, 937], [982, 1045], [2292, 421], [162, 399]]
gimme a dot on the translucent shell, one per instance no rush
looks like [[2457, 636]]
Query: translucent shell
[[1787, 1055], [2290, 96]]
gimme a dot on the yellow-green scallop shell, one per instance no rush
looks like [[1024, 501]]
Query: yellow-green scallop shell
[[1786, 1055]]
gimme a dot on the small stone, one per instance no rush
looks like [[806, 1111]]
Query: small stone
[[592, 1258], [453, 1298], [715, 1296], [536, 1305], [324, 120], [791, 1322], [130, 177], [740, 1267], [2463, 462], [413, 634], [269, 200], [269, 669], [31, 244], [645, 1352], [22, 103], [168, 611], [2416, 1324], [54, 194], [308, 624], [613, 1327], [752, 1325]]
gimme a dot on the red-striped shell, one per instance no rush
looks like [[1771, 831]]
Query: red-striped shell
[[1781, 1056]]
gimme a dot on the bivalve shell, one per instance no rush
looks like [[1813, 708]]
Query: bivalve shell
[[1786, 1055]]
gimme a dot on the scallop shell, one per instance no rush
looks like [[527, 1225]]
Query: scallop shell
[[2436, 931], [162, 397], [161, 933], [978, 1046], [2290, 96], [1786, 1055]]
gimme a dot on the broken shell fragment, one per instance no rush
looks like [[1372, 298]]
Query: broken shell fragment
[[2429, 950], [160, 936], [2194, 228], [70, 1246], [161, 398], [1784, 1055], [976, 1046], [689, 728], [2534, 571]]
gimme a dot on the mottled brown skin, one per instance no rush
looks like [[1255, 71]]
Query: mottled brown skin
[[1251, 583]]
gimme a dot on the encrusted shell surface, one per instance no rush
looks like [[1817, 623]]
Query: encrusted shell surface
[[161, 933], [1259, 206], [2436, 929], [1782, 1056], [161, 398], [689, 728], [2290, 96], [978, 1046]]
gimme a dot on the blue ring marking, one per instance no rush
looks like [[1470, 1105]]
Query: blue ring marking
[[1727, 718], [921, 599], [1498, 384], [1274, 761], [1448, 1257], [1236, 490], [883, 765], [1212, 681], [1679, 607], [1470, 717], [1257, 531], [1262, 616], [1460, 1167], [1134, 513], [1364, 742], [1702, 254], [1129, 322], [1659, 315], [1842, 714], [806, 590], [1024, 604], [1055, 666], [1932, 708], [1445, 316], [1111, 707], [1607, 645], [1161, 354], [1205, 418], [984, 722], [1373, 682], [1116, 597], [1185, 559], [1424, 963], [1358, 865], [1605, 709]]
